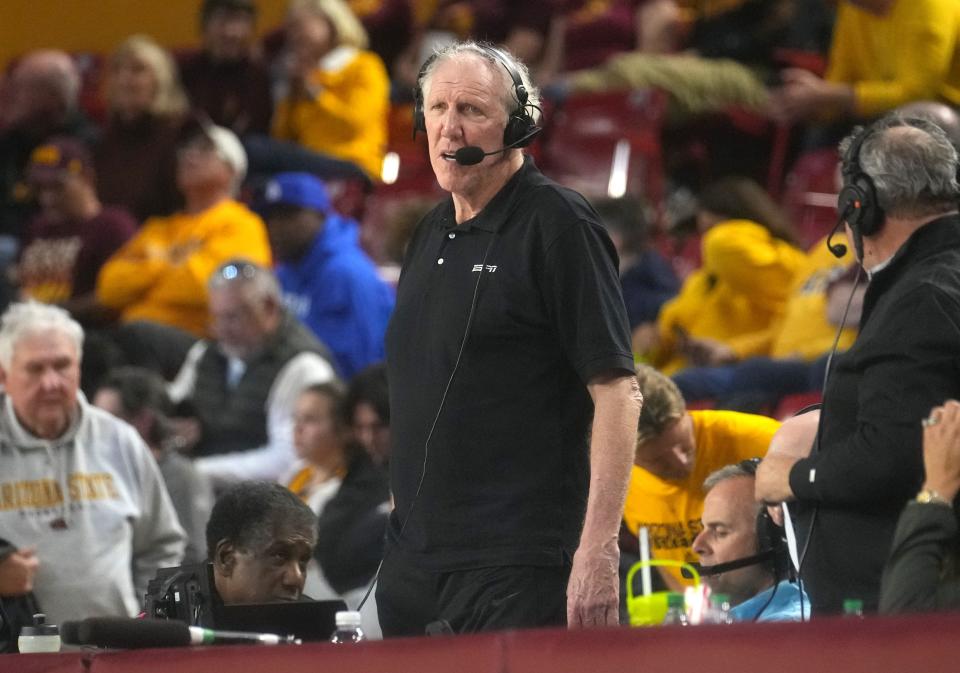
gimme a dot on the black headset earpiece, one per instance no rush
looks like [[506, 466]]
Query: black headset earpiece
[[770, 537], [521, 127], [857, 202]]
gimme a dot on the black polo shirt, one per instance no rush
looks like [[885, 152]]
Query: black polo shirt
[[507, 474]]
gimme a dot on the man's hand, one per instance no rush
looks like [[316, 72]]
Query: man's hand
[[773, 478], [17, 571], [941, 450], [177, 254], [593, 593], [804, 96], [186, 433], [704, 352]]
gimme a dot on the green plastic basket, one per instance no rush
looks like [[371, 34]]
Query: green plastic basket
[[650, 610]]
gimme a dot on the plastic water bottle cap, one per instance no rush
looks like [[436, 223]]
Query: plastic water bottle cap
[[348, 618], [40, 627]]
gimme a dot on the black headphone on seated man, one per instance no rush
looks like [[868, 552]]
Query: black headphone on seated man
[[521, 127]]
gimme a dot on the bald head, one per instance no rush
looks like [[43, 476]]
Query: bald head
[[942, 115], [42, 89]]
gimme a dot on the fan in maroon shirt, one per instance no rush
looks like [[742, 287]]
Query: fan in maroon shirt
[[72, 235]]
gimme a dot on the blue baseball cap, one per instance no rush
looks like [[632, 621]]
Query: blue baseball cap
[[303, 190]]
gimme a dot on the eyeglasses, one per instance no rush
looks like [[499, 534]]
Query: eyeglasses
[[235, 269]]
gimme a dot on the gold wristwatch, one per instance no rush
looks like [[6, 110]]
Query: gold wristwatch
[[929, 496]]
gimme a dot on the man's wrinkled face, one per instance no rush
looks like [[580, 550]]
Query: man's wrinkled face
[[42, 382], [271, 572], [240, 321], [463, 106], [670, 454]]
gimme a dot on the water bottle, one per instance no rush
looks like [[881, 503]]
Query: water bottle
[[348, 627], [719, 610], [853, 608], [40, 637], [676, 612]]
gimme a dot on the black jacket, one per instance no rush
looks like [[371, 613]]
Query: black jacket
[[869, 462], [353, 524], [922, 573]]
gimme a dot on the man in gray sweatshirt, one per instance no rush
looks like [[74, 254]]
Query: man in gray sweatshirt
[[77, 485]]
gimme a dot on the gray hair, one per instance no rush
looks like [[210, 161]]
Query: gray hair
[[461, 49], [55, 70], [912, 163], [728, 472], [23, 319], [261, 284]]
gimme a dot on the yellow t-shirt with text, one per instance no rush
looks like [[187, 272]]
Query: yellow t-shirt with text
[[671, 510]]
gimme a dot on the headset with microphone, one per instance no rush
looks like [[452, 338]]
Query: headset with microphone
[[521, 127], [858, 204], [771, 542]]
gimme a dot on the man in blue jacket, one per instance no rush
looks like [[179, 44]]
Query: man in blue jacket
[[328, 282]]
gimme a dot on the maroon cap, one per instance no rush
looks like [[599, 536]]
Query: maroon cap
[[57, 157]]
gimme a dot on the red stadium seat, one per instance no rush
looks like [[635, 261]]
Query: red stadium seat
[[588, 132], [810, 194], [791, 404]]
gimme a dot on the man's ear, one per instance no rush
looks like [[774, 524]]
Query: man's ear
[[225, 557], [3, 376]]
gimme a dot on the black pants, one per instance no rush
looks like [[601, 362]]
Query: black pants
[[468, 601]]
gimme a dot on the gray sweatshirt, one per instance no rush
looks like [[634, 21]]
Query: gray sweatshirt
[[94, 505]]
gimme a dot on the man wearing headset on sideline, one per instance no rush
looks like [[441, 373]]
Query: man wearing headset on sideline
[[899, 207], [742, 549], [513, 400]]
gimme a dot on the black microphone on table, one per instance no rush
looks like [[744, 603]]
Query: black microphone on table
[[472, 155], [127, 633], [718, 568]]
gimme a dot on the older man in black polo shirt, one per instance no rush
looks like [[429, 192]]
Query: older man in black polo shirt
[[509, 338]]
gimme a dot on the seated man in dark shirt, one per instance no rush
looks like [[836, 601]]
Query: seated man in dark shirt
[[260, 538], [225, 79], [72, 235]]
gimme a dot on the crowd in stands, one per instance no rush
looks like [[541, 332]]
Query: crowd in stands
[[229, 305]]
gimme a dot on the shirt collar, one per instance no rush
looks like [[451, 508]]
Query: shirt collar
[[934, 236], [496, 212]]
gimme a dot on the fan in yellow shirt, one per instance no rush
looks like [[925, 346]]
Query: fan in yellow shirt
[[749, 263], [757, 369], [338, 92], [676, 451], [160, 275], [884, 53]]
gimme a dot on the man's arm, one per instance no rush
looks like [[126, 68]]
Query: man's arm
[[918, 575], [593, 590], [912, 368], [790, 443]]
